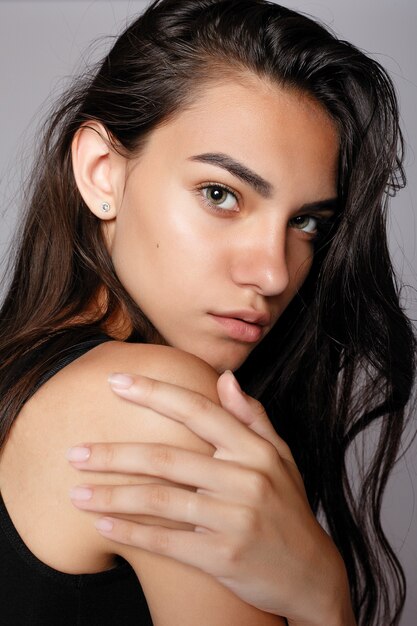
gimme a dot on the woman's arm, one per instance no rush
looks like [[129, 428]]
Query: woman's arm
[[78, 404], [277, 556]]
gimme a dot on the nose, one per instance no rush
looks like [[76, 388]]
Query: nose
[[260, 262]]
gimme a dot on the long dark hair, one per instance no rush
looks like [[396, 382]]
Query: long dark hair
[[341, 357]]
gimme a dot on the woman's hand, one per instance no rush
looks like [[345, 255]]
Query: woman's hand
[[254, 530]]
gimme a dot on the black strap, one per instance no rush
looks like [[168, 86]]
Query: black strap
[[69, 355]]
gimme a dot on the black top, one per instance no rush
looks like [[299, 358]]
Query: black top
[[34, 594]]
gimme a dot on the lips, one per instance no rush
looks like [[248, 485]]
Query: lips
[[262, 318], [246, 326]]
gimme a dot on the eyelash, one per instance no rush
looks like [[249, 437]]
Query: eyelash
[[214, 207], [324, 225]]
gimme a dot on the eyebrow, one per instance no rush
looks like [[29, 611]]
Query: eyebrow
[[330, 204], [259, 184]]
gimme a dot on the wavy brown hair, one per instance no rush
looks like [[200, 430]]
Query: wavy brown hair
[[341, 357]]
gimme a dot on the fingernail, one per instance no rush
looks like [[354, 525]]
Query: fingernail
[[234, 380], [120, 381], [104, 524], [81, 493], [78, 453]]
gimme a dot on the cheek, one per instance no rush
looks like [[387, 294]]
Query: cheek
[[163, 241], [299, 260]]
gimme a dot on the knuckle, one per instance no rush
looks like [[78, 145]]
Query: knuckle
[[107, 496], [285, 449], [146, 388], [267, 456], [104, 452], [270, 455], [158, 498], [257, 407], [230, 553], [126, 533], [248, 520], [108, 455], [201, 403], [258, 486], [160, 457], [158, 540]]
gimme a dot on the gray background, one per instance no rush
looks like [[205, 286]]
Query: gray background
[[43, 43]]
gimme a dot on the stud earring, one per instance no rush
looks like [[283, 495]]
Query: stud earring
[[105, 206]]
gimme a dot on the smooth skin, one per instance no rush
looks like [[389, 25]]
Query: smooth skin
[[180, 256], [183, 258], [36, 479], [250, 509]]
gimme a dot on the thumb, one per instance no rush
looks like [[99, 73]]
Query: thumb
[[248, 410]]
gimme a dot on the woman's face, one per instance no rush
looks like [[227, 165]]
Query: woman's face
[[215, 232]]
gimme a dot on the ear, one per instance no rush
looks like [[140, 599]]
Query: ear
[[99, 171]]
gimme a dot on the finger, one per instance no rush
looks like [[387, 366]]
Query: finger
[[205, 418], [250, 412], [162, 501], [222, 478], [201, 550]]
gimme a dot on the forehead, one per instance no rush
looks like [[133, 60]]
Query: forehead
[[275, 131]]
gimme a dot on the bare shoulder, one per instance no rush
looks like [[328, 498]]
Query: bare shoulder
[[160, 362], [86, 380], [81, 390], [77, 405]]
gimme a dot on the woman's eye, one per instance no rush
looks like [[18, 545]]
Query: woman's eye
[[220, 197], [306, 223]]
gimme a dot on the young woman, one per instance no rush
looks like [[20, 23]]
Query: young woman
[[211, 200]]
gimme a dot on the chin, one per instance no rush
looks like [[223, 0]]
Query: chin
[[221, 356], [229, 361]]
